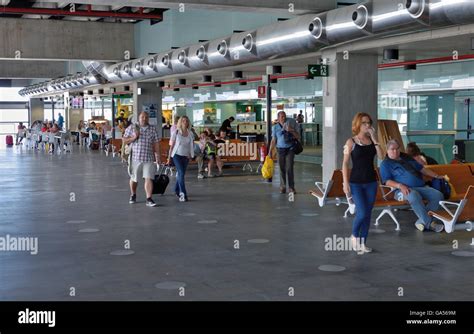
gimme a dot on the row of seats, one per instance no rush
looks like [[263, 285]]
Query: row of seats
[[462, 199], [245, 159], [61, 139]]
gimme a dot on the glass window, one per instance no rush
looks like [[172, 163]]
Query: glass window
[[13, 115]]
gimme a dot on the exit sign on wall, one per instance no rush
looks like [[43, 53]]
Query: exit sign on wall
[[318, 71]]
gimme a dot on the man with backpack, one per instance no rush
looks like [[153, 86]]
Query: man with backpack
[[402, 172], [283, 135]]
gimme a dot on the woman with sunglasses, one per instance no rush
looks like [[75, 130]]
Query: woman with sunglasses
[[361, 185]]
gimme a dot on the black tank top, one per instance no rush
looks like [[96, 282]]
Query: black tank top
[[363, 170]]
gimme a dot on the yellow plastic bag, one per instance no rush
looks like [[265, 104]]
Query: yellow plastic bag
[[267, 168]]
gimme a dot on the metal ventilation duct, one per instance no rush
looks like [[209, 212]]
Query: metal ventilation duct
[[306, 33]]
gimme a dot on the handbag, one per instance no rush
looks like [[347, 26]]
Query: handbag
[[443, 186], [297, 147], [128, 149]]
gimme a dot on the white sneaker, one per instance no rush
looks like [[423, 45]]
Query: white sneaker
[[366, 249], [420, 226], [201, 176], [355, 244]]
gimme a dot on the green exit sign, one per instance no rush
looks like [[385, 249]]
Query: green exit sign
[[318, 71]]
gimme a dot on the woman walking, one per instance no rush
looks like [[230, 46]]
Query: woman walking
[[361, 149], [181, 150]]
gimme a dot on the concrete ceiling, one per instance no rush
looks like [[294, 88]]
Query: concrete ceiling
[[71, 6], [299, 6]]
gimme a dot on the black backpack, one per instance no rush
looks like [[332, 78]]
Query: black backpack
[[441, 185]]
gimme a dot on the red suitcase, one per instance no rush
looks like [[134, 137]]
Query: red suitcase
[[9, 140]]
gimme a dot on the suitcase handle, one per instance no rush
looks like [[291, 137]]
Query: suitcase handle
[[160, 168]]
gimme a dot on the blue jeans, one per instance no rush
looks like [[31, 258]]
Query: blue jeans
[[363, 195], [416, 197], [181, 163]]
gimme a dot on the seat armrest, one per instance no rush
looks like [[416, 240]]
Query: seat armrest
[[450, 203], [391, 191]]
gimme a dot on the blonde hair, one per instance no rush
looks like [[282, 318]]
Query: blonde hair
[[180, 126], [357, 122]]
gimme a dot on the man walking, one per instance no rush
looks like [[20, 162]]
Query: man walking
[[283, 134], [145, 151]]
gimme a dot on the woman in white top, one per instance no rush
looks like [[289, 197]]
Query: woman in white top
[[182, 149]]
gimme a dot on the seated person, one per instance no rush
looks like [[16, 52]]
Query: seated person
[[402, 172], [21, 133], [208, 120], [220, 139], [208, 131], [93, 127], [414, 151], [200, 155], [227, 125], [105, 129], [54, 130], [211, 153]]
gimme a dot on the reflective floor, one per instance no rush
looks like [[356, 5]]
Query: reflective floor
[[237, 239]]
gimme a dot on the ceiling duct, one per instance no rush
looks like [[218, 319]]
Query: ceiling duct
[[179, 60], [165, 60], [201, 53], [456, 11], [302, 34], [400, 15], [151, 65], [318, 30], [138, 68], [348, 23], [127, 71], [416, 8], [360, 17]]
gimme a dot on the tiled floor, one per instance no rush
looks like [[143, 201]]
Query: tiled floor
[[41, 194]]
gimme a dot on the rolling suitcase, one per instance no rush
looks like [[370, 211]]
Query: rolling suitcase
[[9, 140], [160, 182]]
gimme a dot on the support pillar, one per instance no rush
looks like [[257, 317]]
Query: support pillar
[[147, 97], [350, 88], [36, 110]]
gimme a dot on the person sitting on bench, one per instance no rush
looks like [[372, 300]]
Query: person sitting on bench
[[405, 174], [414, 151]]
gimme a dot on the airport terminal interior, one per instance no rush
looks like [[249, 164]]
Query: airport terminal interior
[[78, 77]]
